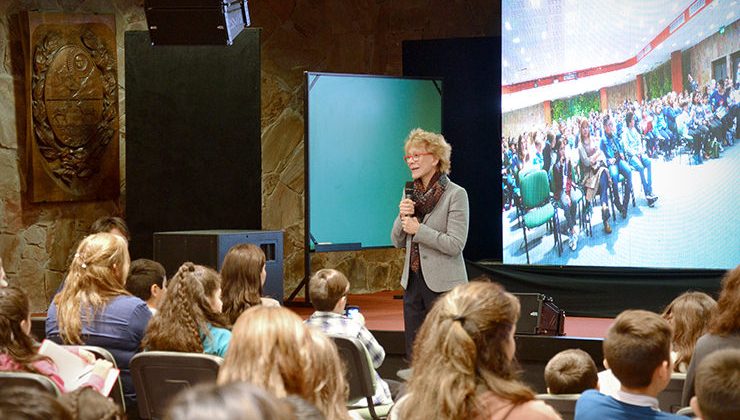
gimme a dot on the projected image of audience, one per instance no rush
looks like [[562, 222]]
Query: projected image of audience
[[619, 132]]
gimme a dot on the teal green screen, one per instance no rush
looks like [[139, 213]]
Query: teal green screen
[[356, 131]]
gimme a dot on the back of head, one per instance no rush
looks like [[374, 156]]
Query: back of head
[[727, 319], [571, 371], [14, 342], [301, 409], [326, 287], [142, 275], [635, 345], [242, 281], [185, 311], [237, 400], [266, 346], [22, 403], [327, 385], [111, 224], [97, 274], [689, 315], [718, 385], [467, 338], [87, 404]]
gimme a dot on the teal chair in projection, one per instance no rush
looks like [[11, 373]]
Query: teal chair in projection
[[538, 207]]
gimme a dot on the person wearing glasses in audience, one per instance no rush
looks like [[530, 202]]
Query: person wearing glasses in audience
[[432, 226]]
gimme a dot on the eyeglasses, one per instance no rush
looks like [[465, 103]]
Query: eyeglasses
[[415, 157]]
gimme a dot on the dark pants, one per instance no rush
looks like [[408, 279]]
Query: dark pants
[[417, 301]]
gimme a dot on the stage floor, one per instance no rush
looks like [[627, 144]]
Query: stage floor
[[384, 313]]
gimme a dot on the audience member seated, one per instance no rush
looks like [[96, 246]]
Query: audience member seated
[[147, 280], [566, 191], [723, 331], [594, 172], [243, 275], [689, 315], [718, 386], [95, 309], [571, 371], [271, 347], [22, 403], [19, 351], [111, 224], [637, 157], [463, 360], [328, 290], [237, 400], [615, 159], [190, 319], [86, 404], [637, 348]]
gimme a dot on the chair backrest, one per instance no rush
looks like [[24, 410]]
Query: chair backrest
[[359, 372], [535, 189], [565, 404], [28, 380], [116, 393], [160, 375], [670, 399]]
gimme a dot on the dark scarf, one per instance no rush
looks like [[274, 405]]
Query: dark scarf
[[424, 202]]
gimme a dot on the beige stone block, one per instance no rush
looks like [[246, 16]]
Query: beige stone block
[[285, 208], [11, 247], [34, 253], [52, 281], [280, 140], [61, 242], [35, 235], [293, 175], [31, 279]]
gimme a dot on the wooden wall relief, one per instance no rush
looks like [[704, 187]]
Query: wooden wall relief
[[72, 97]]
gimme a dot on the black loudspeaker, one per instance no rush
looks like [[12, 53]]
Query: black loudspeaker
[[209, 247], [195, 22], [539, 315]]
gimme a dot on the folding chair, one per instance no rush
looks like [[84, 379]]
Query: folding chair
[[160, 375]]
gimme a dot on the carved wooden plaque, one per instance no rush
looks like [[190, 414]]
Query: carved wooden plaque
[[72, 103]]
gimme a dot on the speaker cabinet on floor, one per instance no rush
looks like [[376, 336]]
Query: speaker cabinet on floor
[[209, 247], [539, 315]]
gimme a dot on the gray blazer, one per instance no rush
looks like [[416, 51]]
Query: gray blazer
[[441, 238]]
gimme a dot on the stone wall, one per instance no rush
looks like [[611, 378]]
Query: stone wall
[[518, 121], [35, 239], [714, 47], [616, 95], [361, 36]]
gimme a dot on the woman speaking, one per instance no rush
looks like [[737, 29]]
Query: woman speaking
[[432, 226]]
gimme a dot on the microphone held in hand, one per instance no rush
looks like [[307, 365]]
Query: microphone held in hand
[[409, 190], [408, 193]]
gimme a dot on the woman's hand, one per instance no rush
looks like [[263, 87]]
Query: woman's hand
[[86, 356], [406, 208], [410, 225], [101, 368]]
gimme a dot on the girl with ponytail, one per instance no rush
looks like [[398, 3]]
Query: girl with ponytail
[[463, 361], [94, 308], [189, 317]]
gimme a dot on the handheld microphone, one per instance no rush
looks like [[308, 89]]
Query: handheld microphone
[[408, 192]]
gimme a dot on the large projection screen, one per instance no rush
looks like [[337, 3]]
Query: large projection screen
[[356, 127]]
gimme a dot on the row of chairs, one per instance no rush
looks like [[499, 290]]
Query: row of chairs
[[158, 376]]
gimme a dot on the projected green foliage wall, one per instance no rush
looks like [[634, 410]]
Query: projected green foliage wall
[[356, 129], [575, 105]]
